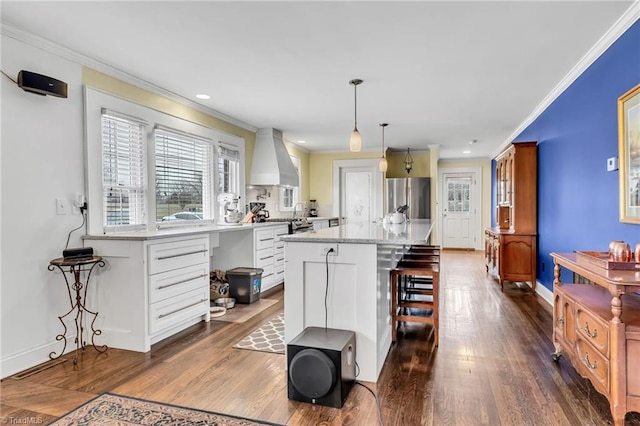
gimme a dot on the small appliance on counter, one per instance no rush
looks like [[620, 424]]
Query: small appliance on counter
[[262, 216], [313, 208], [228, 213]]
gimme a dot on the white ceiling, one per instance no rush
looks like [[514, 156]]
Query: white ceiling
[[438, 72]]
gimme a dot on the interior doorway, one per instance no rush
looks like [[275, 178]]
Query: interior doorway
[[357, 190], [460, 208]]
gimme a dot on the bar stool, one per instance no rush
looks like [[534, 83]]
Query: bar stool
[[405, 297]]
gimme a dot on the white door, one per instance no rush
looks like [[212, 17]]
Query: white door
[[458, 210], [357, 191]]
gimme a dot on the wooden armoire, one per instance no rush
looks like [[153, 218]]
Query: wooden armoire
[[511, 247]]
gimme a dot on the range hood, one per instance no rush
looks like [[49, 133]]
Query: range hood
[[271, 162]]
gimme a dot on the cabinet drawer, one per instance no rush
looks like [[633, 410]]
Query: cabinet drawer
[[173, 283], [264, 258], [264, 239], [596, 366], [171, 255], [280, 231], [593, 330], [173, 311], [278, 248]]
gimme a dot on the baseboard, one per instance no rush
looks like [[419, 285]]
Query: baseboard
[[543, 292], [15, 363]]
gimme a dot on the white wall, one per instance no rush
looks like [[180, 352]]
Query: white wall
[[42, 159]]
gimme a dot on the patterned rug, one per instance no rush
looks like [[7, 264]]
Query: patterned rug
[[268, 338], [111, 409]]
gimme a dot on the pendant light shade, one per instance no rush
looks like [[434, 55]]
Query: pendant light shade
[[382, 164], [408, 162], [355, 142]]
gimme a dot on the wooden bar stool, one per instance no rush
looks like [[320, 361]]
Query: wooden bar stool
[[416, 299]]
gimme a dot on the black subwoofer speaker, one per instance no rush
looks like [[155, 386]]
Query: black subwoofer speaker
[[322, 366]]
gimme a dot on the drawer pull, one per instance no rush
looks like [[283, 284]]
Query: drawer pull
[[560, 320], [182, 309], [268, 275], [268, 257], [279, 259], [591, 366], [181, 281], [589, 333], [280, 272], [266, 239], [181, 254]]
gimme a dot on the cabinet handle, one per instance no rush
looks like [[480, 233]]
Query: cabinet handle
[[160, 287], [181, 254], [268, 275], [560, 320], [279, 259], [591, 366], [589, 333], [182, 309], [280, 272], [266, 239], [268, 257]]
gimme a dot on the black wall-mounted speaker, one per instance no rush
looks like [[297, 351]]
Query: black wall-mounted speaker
[[322, 366], [41, 84]]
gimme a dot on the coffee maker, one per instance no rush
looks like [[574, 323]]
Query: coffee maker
[[228, 213], [262, 216], [313, 208]]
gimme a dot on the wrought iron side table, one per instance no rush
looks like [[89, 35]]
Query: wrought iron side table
[[73, 268]]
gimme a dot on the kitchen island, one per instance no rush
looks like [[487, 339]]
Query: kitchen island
[[349, 265]]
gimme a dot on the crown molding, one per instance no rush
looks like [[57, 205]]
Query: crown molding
[[628, 18], [84, 60]]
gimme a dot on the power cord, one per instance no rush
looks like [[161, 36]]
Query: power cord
[[372, 393], [84, 220], [326, 288]]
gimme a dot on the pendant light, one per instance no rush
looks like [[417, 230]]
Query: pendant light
[[382, 164], [408, 162], [355, 142]]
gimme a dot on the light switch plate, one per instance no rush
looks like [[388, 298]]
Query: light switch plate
[[612, 164], [62, 206]]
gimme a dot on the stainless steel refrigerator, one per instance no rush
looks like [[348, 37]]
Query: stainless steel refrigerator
[[414, 192]]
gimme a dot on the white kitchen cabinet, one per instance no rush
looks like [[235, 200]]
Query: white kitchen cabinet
[[269, 254], [150, 289]]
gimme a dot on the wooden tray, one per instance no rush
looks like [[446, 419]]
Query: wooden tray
[[602, 260]]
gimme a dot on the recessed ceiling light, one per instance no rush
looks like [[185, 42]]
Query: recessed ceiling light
[[203, 96], [302, 141], [466, 152]]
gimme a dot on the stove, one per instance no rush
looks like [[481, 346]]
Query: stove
[[296, 226]]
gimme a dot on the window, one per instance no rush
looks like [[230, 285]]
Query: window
[[123, 170], [289, 196], [184, 175], [147, 169], [228, 169]]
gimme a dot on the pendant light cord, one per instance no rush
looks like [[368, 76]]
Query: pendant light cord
[[355, 107]]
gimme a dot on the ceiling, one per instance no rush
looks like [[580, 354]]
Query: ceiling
[[440, 73]]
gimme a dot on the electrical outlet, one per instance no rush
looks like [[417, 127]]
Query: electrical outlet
[[62, 206], [331, 249]]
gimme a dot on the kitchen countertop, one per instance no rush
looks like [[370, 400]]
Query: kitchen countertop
[[179, 231], [416, 231]]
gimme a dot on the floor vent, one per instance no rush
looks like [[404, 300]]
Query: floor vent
[[37, 369]]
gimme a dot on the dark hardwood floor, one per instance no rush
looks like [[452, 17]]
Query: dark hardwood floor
[[493, 367]]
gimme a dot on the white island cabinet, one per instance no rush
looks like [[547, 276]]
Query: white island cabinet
[[356, 286]]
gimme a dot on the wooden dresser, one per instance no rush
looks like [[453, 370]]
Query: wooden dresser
[[597, 327], [511, 249]]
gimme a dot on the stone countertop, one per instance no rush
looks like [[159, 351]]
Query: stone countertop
[[417, 231], [179, 231]]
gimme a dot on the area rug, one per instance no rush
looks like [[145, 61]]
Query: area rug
[[242, 313], [268, 338], [112, 409]]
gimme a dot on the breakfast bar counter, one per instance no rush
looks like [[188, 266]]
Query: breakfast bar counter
[[348, 266]]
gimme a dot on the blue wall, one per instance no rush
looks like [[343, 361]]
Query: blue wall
[[577, 197]]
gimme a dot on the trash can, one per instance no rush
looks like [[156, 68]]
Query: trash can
[[244, 284]]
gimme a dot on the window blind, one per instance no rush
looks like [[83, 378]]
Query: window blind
[[123, 169], [184, 174]]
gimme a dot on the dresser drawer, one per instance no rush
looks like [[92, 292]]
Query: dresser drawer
[[172, 283], [593, 330], [171, 255], [264, 239], [264, 258], [171, 312], [595, 365], [278, 247]]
